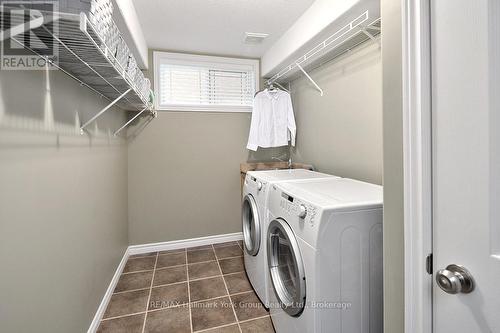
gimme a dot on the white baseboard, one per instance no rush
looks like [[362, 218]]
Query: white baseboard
[[109, 292], [180, 244], [154, 247]]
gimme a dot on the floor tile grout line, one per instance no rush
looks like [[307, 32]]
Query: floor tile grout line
[[222, 275], [204, 278], [240, 256], [177, 251], [169, 307], [199, 301], [145, 257], [227, 290], [170, 284], [234, 273], [141, 271], [215, 245], [256, 318], [201, 262], [184, 281], [189, 293], [129, 291], [170, 254], [133, 257], [174, 251], [125, 315], [154, 253], [176, 306], [192, 263], [214, 298], [173, 266], [149, 296], [214, 328]]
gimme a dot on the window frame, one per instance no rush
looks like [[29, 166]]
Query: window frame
[[219, 62]]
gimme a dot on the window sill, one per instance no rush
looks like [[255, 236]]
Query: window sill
[[201, 108]]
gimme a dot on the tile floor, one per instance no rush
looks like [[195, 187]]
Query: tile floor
[[199, 289]]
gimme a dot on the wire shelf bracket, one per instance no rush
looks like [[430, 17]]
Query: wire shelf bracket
[[281, 86], [310, 79], [128, 122], [366, 31], [100, 113]]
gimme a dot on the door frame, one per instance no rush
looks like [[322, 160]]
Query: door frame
[[417, 164]]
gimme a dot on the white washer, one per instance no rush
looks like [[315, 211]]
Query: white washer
[[254, 218], [325, 256]]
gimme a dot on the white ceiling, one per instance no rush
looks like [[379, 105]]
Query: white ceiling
[[216, 26]]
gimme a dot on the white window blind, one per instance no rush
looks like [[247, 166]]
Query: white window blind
[[204, 83]]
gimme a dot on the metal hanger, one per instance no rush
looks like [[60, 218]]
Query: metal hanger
[[270, 87]]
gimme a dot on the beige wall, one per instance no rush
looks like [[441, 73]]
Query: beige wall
[[393, 167], [63, 204], [341, 132], [183, 175]]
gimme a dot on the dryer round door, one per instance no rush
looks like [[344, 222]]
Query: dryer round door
[[251, 225], [286, 267]]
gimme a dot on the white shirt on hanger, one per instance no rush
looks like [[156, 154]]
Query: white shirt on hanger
[[273, 121]]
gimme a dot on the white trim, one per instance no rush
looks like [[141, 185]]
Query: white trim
[[215, 61], [417, 149], [184, 243], [94, 325]]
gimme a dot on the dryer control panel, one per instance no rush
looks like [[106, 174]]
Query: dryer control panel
[[295, 207]]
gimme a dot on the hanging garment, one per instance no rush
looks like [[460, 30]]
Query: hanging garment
[[273, 122]]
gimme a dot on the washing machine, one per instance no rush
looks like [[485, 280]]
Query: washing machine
[[254, 218], [325, 257]]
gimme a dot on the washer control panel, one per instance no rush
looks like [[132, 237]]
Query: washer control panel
[[258, 185]]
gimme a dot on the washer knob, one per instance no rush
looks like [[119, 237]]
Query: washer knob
[[302, 211], [259, 186]]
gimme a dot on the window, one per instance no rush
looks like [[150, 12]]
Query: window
[[185, 82]]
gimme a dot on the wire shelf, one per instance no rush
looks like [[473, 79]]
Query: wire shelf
[[84, 56], [348, 37]]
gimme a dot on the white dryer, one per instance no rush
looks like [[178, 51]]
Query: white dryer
[[325, 257], [254, 220]]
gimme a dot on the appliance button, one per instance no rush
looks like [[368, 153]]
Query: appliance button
[[302, 211], [259, 186]]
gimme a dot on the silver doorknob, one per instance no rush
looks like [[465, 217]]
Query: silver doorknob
[[455, 279]]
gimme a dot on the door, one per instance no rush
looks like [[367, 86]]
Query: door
[[465, 43], [251, 225], [286, 267]]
